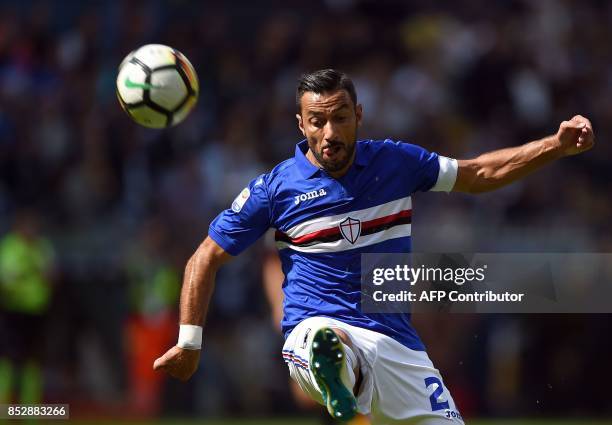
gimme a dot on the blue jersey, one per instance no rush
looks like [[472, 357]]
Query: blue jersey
[[323, 225]]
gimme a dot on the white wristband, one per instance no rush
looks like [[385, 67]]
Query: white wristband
[[190, 337]]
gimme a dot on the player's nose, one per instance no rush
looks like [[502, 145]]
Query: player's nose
[[330, 133]]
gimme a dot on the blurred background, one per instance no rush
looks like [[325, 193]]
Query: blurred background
[[98, 216]]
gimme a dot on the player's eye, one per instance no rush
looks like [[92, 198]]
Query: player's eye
[[341, 118], [318, 123]]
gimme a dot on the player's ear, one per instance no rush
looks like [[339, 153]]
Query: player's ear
[[359, 114], [300, 124]]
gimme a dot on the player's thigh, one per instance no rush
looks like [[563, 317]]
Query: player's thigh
[[410, 391], [296, 353]]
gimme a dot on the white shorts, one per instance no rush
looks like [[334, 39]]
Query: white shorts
[[398, 384]]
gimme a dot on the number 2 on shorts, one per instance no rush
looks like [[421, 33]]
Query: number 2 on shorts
[[438, 390]]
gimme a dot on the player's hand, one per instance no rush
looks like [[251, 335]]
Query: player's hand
[[178, 362], [575, 136]]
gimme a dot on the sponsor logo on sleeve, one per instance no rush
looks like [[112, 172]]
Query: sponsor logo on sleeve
[[241, 199]]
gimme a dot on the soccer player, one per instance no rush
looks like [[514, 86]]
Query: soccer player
[[334, 200]]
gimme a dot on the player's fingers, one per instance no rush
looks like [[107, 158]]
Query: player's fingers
[[589, 138], [588, 123], [581, 119], [176, 371], [583, 135], [585, 146], [170, 368], [160, 363], [570, 126], [586, 140], [164, 362], [573, 124], [586, 135]]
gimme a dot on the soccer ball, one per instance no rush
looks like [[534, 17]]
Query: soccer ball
[[157, 86]]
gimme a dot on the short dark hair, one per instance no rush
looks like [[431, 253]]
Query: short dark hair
[[324, 80]]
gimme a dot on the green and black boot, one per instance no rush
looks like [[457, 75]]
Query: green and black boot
[[327, 360]]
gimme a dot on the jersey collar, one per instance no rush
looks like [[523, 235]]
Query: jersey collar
[[308, 169]]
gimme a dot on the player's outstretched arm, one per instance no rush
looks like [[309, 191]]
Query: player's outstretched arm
[[495, 169], [198, 285]]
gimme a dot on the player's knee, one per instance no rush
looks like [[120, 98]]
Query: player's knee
[[348, 347], [343, 336]]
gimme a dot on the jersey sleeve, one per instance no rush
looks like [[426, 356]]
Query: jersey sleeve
[[427, 170], [419, 166], [238, 227]]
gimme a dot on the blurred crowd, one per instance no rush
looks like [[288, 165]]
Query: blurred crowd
[[103, 214]]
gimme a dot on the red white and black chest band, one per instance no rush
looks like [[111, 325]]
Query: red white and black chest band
[[350, 230]]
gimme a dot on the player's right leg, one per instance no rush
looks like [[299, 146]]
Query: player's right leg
[[322, 366], [327, 364]]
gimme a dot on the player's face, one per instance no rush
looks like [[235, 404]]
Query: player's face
[[329, 122]]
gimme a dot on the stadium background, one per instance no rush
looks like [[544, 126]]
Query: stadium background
[[112, 211]]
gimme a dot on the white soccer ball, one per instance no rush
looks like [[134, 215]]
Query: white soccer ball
[[157, 86]]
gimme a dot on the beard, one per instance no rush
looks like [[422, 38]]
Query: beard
[[341, 158]]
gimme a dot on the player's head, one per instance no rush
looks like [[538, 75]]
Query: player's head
[[328, 116]]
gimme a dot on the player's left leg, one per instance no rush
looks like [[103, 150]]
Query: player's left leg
[[409, 389]]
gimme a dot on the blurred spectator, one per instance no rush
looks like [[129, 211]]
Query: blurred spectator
[[154, 287], [26, 266]]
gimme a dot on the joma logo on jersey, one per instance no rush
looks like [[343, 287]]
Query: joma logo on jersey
[[309, 195]]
